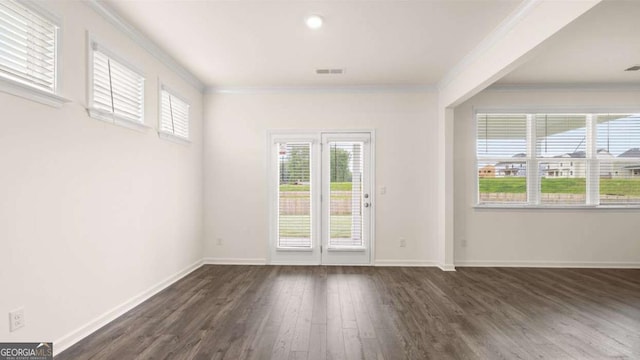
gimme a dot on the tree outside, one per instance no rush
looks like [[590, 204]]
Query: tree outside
[[340, 171], [294, 168]]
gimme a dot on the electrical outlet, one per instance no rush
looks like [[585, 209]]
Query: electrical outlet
[[403, 242], [16, 319], [219, 240], [383, 190]]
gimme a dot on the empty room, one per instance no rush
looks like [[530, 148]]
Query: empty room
[[330, 179]]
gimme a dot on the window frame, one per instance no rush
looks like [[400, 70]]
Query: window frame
[[169, 135], [533, 184], [94, 44], [30, 92]]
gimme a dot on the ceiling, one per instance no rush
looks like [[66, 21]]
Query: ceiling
[[266, 43], [594, 49]]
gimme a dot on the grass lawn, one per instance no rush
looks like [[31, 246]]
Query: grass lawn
[[503, 185], [298, 226], [564, 186], [622, 187], [336, 186], [629, 187]]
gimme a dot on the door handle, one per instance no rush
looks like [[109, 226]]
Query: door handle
[[366, 205]]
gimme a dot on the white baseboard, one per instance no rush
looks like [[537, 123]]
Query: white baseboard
[[293, 263], [416, 263], [234, 261], [549, 264], [73, 337], [406, 263], [384, 262]]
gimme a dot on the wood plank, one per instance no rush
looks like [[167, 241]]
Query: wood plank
[[318, 342]]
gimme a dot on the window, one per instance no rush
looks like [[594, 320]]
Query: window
[[174, 115], [28, 48], [558, 159], [117, 90]]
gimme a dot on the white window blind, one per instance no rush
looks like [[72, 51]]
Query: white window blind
[[561, 135], [578, 159], [117, 89], [294, 195], [174, 115], [502, 135], [618, 135], [28, 47]]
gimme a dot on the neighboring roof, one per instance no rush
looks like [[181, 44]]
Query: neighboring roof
[[631, 153], [511, 162], [577, 154]]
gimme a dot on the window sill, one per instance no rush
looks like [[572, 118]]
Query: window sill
[[30, 93], [173, 138], [555, 207], [117, 120]]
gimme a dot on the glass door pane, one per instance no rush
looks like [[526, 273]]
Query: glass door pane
[[294, 195], [345, 194]]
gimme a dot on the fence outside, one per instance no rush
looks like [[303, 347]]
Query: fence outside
[[298, 203], [558, 198]]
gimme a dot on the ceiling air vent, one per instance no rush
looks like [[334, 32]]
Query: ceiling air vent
[[633, 68], [329, 71]]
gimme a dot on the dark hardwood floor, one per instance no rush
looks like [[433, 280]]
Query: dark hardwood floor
[[277, 312]]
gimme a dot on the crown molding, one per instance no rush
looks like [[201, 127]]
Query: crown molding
[[488, 42], [315, 89], [143, 41], [586, 87]]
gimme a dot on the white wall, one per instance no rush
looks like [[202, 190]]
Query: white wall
[[92, 214], [235, 166], [538, 237]]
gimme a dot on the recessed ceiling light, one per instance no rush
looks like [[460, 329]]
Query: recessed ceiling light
[[633, 68], [313, 22]]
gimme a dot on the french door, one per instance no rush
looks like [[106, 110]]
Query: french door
[[320, 198]]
